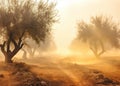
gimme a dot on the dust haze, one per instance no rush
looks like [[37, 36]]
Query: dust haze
[[60, 43]]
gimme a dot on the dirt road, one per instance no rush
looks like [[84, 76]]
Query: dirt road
[[103, 73], [62, 72]]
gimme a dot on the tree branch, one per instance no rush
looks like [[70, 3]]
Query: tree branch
[[14, 42], [3, 47], [18, 45], [8, 45], [21, 45], [20, 39], [95, 52]]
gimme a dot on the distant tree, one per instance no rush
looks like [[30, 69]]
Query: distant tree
[[98, 33], [21, 19], [31, 48]]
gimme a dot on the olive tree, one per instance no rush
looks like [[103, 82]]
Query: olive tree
[[21, 19], [100, 32]]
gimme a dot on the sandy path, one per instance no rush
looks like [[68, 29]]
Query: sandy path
[[79, 75]]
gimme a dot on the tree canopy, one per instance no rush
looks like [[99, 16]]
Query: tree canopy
[[26, 16], [20, 19], [101, 32]]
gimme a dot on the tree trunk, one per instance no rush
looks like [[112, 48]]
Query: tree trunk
[[95, 52], [8, 59], [95, 49], [6, 50]]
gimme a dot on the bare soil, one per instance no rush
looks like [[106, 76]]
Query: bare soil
[[45, 71]]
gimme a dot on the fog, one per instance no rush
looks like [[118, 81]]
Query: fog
[[81, 50], [65, 30], [73, 11]]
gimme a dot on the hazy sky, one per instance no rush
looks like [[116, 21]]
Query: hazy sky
[[72, 11]]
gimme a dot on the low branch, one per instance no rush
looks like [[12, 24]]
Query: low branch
[[21, 45], [3, 47], [20, 39], [22, 35], [14, 42], [18, 45]]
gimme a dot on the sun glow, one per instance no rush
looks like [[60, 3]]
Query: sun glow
[[63, 52], [72, 11]]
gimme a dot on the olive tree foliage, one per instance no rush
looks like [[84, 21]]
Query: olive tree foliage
[[101, 32], [20, 19]]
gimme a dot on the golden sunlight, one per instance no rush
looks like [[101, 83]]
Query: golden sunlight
[[72, 11], [81, 49]]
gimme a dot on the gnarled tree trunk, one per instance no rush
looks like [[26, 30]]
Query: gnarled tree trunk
[[8, 59], [6, 50]]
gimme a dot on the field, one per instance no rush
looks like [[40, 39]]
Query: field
[[69, 71]]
